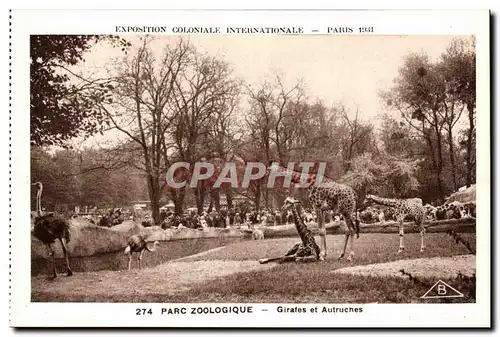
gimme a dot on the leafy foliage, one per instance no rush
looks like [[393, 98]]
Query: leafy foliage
[[63, 105], [185, 105], [385, 174], [73, 178]]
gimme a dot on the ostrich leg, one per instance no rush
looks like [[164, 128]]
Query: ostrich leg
[[66, 257], [52, 260], [140, 258], [322, 233], [129, 260]]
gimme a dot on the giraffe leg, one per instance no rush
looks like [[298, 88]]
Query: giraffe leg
[[401, 234], [352, 231], [351, 246], [66, 257], [52, 260], [422, 233], [290, 254], [347, 235], [322, 233]]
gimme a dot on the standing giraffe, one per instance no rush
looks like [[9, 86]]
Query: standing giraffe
[[307, 249], [337, 197], [402, 208]]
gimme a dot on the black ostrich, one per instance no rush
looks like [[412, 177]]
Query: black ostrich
[[50, 227], [137, 244]]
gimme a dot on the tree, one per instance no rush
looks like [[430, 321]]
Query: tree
[[385, 174], [270, 122], [141, 109], [357, 137], [205, 96], [418, 96], [459, 65], [62, 103], [399, 138], [72, 178]]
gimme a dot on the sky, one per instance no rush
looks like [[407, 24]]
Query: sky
[[348, 69]]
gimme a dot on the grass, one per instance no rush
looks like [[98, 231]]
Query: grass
[[369, 248], [292, 283]]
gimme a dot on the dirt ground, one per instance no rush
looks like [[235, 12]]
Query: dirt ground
[[438, 267], [167, 278]]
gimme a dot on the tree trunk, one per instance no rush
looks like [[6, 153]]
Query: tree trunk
[[257, 198], [200, 199], [470, 141], [178, 199], [215, 193], [439, 161], [229, 197], [154, 196], [452, 159], [435, 162]]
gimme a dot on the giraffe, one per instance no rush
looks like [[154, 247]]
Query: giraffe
[[307, 250], [402, 208], [337, 197]]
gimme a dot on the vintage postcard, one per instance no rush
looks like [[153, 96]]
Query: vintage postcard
[[285, 168]]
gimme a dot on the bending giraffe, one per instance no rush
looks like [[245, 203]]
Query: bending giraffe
[[307, 250], [402, 208], [337, 197]]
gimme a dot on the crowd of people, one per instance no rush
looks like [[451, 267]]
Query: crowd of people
[[248, 217], [236, 217]]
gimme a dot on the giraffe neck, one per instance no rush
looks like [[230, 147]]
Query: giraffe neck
[[385, 201], [300, 225]]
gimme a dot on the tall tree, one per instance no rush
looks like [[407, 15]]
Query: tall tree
[[418, 96], [459, 65], [204, 94], [142, 108]]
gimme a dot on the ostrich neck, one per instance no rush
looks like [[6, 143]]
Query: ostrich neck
[[152, 249], [39, 201]]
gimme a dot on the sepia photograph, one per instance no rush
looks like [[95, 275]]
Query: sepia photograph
[[206, 173], [390, 118]]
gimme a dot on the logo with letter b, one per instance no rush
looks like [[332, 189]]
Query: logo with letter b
[[442, 290]]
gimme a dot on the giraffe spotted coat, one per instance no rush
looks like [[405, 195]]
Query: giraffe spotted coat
[[337, 197], [307, 249], [412, 208]]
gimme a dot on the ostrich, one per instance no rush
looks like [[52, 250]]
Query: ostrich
[[137, 244], [50, 227]]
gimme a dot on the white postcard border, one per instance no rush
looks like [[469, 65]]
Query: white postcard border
[[25, 313]]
